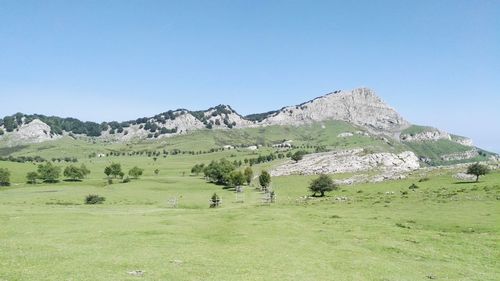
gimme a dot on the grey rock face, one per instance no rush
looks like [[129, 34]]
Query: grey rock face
[[360, 106], [350, 161], [34, 132], [461, 155]]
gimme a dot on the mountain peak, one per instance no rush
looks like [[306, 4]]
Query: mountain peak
[[360, 106]]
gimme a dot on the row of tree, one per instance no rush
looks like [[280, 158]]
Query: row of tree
[[51, 173], [224, 172], [115, 170]]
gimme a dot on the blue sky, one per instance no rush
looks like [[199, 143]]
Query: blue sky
[[436, 62]]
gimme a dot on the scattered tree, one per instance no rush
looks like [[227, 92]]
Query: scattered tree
[[248, 175], [478, 170], [4, 177], [49, 172], [215, 201], [264, 180], [135, 172], [115, 170], [73, 173], [84, 170], [236, 178], [197, 169], [298, 155], [107, 171], [157, 171], [219, 171], [322, 184], [31, 177]]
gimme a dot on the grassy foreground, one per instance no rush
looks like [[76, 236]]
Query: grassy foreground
[[444, 230]]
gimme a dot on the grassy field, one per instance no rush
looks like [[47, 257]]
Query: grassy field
[[444, 230]]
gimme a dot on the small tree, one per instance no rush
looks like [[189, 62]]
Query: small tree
[[236, 178], [322, 184], [298, 155], [135, 172], [264, 180], [157, 171], [107, 171], [4, 177], [215, 201], [31, 177], [116, 169], [477, 170], [197, 169], [48, 172], [73, 173], [248, 175], [85, 170]]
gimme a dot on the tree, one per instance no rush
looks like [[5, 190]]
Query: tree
[[84, 170], [215, 201], [236, 178], [73, 173], [1, 132], [197, 169], [157, 171], [31, 177], [107, 171], [135, 172], [115, 169], [4, 177], [48, 172], [248, 175], [477, 170], [322, 184], [298, 155], [265, 180], [219, 171]]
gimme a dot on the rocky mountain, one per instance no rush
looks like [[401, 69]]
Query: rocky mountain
[[359, 107]]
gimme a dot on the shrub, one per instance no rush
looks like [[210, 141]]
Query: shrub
[[135, 172], [413, 187], [92, 199], [215, 201], [31, 177], [4, 177], [424, 179], [125, 180]]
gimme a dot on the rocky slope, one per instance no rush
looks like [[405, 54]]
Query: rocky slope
[[388, 165], [360, 107]]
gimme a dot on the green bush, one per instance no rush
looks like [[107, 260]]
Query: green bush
[[92, 199]]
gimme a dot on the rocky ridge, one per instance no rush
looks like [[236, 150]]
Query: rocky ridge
[[389, 165]]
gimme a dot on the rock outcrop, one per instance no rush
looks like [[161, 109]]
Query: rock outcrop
[[433, 135], [460, 155], [390, 165], [35, 131], [360, 107]]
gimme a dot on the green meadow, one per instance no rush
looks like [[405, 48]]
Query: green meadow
[[444, 230]]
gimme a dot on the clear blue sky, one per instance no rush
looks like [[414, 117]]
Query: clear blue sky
[[437, 62]]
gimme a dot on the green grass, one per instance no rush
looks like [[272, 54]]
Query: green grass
[[322, 134], [417, 129], [444, 229]]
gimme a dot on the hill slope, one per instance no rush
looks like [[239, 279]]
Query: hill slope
[[338, 120]]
